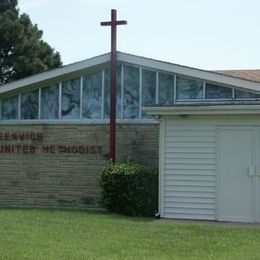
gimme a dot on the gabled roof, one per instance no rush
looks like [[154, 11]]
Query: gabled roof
[[75, 69]]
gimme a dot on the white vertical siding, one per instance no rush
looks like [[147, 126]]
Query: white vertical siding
[[189, 170]]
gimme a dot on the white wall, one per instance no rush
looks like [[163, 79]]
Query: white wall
[[189, 164]]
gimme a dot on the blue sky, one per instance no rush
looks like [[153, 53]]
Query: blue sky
[[206, 34]]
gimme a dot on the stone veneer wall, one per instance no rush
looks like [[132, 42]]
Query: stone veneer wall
[[59, 165]]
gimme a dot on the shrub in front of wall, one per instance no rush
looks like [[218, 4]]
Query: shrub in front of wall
[[130, 188]]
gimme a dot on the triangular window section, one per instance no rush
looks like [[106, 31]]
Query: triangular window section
[[239, 94], [217, 92]]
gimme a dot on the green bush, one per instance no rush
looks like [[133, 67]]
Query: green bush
[[130, 188]]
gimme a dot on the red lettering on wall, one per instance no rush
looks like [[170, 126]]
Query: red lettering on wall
[[29, 148], [22, 136], [48, 149], [18, 149]]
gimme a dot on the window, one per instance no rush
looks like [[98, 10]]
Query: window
[[245, 94], [217, 92], [166, 89], [189, 88], [71, 99], [92, 96], [9, 108], [131, 92], [107, 93], [148, 89], [50, 102], [30, 105]]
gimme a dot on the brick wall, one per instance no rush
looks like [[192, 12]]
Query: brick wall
[[52, 165]]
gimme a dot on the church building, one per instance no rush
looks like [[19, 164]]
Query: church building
[[200, 128]]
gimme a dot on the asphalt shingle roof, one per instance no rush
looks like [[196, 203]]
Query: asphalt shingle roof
[[253, 75]]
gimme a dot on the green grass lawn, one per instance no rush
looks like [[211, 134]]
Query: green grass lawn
[[65, 234]]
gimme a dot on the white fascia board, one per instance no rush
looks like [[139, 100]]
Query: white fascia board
[[204, 110], [209, 76], [55, 73]]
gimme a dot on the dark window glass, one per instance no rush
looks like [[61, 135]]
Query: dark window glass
[[71, 99], [9, 108], [166, 89], [217, 92], [92, 96], [148, 89], [189, 88], [30, 105], [107, 93], [50, 102], [245, 94], [131, 92]]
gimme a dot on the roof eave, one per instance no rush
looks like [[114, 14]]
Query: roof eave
[[203, 110]]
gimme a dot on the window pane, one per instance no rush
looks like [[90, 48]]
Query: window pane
[[216, 92], [245, 94], [71, 99], [92, 96], [166, 89], [107, 93], [9, 108], [131, 92], [29, 105], [189, 88], [50, 102], [148, 89]]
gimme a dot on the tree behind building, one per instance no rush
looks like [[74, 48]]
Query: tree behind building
[[22, 50]]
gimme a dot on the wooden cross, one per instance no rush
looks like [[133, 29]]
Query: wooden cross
[[113, 23]]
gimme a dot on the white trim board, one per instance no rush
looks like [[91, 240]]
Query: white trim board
[[203, 110]]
